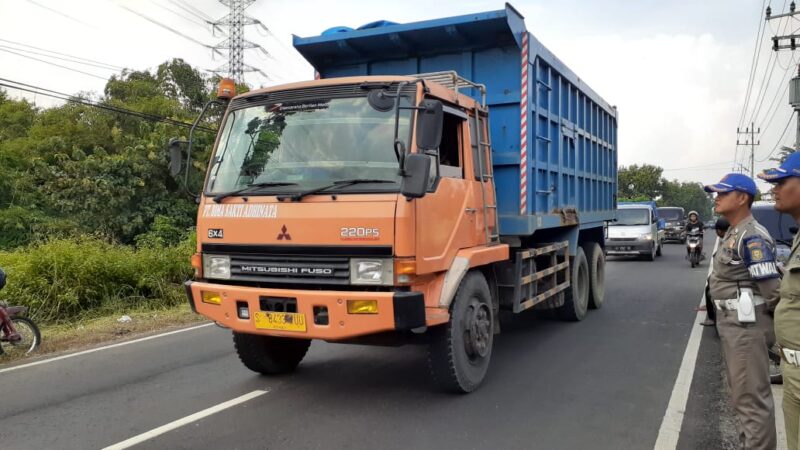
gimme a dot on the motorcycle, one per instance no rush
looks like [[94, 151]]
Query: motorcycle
[[29, 335], [694, 240]]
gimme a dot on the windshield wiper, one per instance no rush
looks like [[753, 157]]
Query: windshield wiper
[[219, 197], [339, 183]]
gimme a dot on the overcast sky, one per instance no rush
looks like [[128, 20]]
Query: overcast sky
[[676, 69]]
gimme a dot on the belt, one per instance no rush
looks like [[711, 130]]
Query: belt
[[791, 356], [732, 304]]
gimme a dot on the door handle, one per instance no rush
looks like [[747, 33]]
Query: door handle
[[470, 210]]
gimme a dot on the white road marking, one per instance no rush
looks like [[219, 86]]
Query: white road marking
[[106, 347], [185, 421], [671, 425]]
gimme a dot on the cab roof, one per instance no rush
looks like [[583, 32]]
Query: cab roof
[[434, 89]]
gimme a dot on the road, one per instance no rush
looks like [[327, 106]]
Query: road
[[603, 383]]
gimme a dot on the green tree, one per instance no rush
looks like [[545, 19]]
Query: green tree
[[688, 195], [76, 169], [639, 182], [782, 154]]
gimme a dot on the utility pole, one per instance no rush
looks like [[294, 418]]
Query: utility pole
[[236, 44], [789, 42], [751, 141], [794, 100]]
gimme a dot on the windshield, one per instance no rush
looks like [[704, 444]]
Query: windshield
[[776, 223], [671, 214], [307, 145], [638, 216]]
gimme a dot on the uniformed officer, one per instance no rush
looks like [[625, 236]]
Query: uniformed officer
[[744, 285], [787, 315]]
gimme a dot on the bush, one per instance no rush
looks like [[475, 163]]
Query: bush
[[62, 278]]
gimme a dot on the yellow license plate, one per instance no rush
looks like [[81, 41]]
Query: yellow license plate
[[280, 321]]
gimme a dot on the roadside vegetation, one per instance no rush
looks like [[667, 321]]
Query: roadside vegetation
[[92, 225], [645, 182]]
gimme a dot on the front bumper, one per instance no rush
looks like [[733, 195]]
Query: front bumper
[[676, 234], [631, 247], [397, 311]]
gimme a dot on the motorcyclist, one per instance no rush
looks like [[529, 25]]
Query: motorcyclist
[[9, 333], [694, 224]]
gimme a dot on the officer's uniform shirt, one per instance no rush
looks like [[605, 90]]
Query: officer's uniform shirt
[[787, 314], [745, 258]]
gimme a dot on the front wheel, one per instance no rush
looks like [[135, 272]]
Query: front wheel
[[658, 251], [30, 334], [269, 355], [652, 255], [459, 351]]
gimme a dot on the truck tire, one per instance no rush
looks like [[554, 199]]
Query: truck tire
[[269, 355], [459, 351], [576, 297], [597, 274]]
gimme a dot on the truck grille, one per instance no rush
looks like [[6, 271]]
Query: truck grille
[[290, 269], [299, 264]]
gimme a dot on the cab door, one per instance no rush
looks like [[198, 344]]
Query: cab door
[[447, 217]]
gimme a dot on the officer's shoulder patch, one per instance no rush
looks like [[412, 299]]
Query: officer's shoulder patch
[[759, 257]]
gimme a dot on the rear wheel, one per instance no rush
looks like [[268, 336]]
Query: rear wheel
[[597, 274], [30, 338], [459, 351], [270, 355], [576, 297]]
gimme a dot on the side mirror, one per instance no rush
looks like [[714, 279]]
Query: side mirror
[[429, 125], [417, 171], [175, 156]]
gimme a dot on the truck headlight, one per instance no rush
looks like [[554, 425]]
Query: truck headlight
[[647, 236], [216, 266], [372, 271]]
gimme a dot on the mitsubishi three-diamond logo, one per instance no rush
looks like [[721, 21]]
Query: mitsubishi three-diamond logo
[[284, 234]]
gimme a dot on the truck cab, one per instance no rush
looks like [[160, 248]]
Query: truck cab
[[675, 223], [305, 191]]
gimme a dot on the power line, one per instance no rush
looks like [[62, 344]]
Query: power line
[[62, 14], [780, 139], [54, 64], [182, 16], [766, 79], [86, 102], [112, 66], [753, 64], [700, 166], [56, 57], [157, 23], [191, 9], [775, 99]]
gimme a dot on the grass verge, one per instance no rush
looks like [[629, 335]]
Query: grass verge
[[91, 330]]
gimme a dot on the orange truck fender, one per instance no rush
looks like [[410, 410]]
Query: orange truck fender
[[465, 260]]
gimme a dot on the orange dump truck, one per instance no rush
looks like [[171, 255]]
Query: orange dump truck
[[432, 175]]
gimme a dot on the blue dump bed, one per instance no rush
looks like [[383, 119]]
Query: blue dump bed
[[554, 139]]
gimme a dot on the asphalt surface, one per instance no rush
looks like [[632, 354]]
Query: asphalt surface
[[603, 383]]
